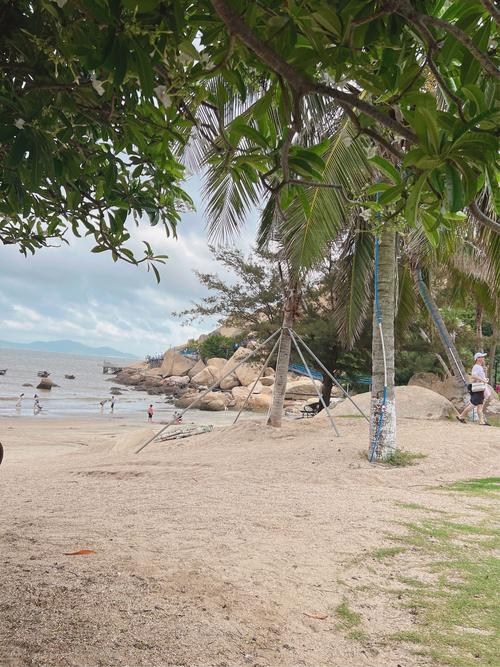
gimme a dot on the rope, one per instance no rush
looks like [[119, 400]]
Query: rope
[[375, 442]]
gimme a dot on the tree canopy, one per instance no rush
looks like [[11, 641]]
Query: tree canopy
[[99, 96]]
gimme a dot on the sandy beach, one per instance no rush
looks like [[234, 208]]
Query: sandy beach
[[229, 548]]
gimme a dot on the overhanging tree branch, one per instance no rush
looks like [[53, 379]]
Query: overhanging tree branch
[[299, 82], [484, 219]]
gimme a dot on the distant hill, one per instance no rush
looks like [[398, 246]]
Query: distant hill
[[67, 347]]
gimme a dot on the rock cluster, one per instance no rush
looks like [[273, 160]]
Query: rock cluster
[[184, 380]]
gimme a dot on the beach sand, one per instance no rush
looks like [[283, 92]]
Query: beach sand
[[212, 550]]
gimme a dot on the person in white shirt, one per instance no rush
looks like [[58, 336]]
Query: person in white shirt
[[476, 397]]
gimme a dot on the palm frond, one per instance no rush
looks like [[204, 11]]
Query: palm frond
[[353, 288]]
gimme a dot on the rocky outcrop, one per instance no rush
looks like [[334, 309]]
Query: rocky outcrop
[[218, 363], [302, 389], [175, 363], [412, 402], [205, 378], [177, 380], [229, 382], [267, 381], [45, 383], [197, 368], [214, 401]]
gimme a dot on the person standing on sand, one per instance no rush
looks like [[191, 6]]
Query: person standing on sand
[[150, 413], [37, 408], [476, 397], [113, 400], [19, 401]]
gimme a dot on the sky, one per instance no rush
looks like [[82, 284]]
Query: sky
[[71, 293]]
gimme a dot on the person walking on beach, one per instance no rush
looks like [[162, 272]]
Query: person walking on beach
[[37, 408], [102, 404], [19, 401], [477, 398], [113, 400], [150, 413]]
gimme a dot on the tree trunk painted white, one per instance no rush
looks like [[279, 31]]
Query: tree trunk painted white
[[383, 409], [283, 361]]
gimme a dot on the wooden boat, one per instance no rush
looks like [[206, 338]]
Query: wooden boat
[[3, 371], [43, 374], [69, 377]]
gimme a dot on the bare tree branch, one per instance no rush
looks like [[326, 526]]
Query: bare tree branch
[[484, 219]]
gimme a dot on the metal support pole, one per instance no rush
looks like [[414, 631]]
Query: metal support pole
[[332, 377], [198, 398], [321, 399], [258, 378]]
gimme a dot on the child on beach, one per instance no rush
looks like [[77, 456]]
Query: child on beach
[[37, 408], [150, 413], [20, 401]]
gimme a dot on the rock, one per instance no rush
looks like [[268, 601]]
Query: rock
[[303, 388], [218, 363], [260, 402], [27, 384], [115, 392], [175, 363], [177, 380], [186, 399], [205, 378], [214, 401], [412, 402], [425, 380], [267, 381], [492, 405], [197, 368], [240, 395], [269, 372], [247, 373], [45, 383], [229, 382], [131, 377], [238, 356]]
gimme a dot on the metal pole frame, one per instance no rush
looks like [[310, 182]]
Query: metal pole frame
[[321, 399], [337, 383], [207, 391], [258, 378]]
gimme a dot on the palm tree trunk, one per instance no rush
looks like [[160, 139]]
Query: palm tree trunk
[[383, 404], [283, 361], [454, 360]]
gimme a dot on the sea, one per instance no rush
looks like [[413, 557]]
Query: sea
[[79, 397]]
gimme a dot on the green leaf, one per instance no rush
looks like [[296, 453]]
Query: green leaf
[[414, 200], [144, 68], [453, 188], [387, 168]]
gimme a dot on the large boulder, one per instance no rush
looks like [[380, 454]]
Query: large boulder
[[197, 368], [214, 401], [205, 378], [425, 380], [129, 377], [177, 380], [492, 405], [175, 363], [302, 389], [267, 381], [229, 382], [218, 363], [260, 402], [233, 361], [412, 402], [186, 399], [45, 383]]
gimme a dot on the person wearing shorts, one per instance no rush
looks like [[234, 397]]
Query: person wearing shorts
[[150, 413], [476, 397]]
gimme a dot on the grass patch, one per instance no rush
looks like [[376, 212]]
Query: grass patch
[[387, 552], [458, 615], [493, 420], [400, 458], [417, 506], [348, 618], [477, 487]]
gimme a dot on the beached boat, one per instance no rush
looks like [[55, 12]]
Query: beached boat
[[43, 374]]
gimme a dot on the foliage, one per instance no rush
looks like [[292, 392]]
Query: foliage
[[84, 142], [217, 345]]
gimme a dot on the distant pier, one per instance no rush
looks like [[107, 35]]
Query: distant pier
[[108, 367]]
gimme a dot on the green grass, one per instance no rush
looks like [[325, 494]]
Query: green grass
[[449, 585], [417, 506], [477, 487], [387, 552], [401, 458]]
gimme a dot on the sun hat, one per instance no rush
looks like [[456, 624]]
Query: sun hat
[[478, 355]]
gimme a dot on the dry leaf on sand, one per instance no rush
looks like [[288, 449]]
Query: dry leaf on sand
[[316, 614], [82, 552]]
